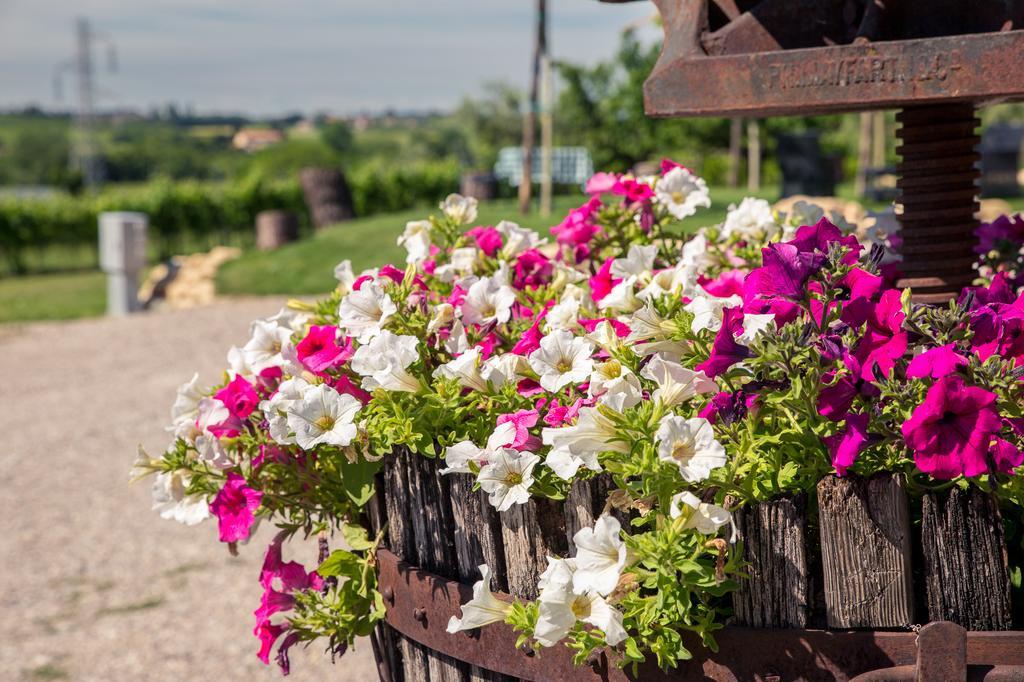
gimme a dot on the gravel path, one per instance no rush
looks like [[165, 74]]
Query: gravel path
[[94, 585]]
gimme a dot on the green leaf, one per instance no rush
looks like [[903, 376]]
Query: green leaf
[[356, 537], [357, 479], [340, 562]]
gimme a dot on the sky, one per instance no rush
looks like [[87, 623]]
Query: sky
[[275, 56]]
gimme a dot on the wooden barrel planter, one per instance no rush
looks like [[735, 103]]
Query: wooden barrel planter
[[835, 587]]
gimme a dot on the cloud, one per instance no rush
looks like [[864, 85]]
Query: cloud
[[268, 56]]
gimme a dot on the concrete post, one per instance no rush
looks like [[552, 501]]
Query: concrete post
[[122, 257]]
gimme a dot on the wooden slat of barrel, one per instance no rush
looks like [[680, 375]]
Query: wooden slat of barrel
[[965, 561], [865, 552], [777, 594]]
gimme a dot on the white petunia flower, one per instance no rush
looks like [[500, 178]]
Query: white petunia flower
[[516, 239], [459, 455], [276, 408], [752, 218], [263, 350], [682, 193], [484, 608], [488, 301], [695, 253], [345, 276], [457, 341], [444, 314], [562, 359], [647, 325], [416, 240], [363, 313], [323, 416], [295, 320], [704, 517], [460, 209], [680, 280], [753, 326], [639, 261], [689, 444], [676, 384], [172, 502], [507, 477], [604, 336], [237, 364], [472, 373], [384, 361], [186, 403], [560, 607], [622, 298], [580, 444], [564, 314], [707, 310], [600, 557], [615, 386]]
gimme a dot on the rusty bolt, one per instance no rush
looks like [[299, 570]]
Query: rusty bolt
[[389, 594], [419, 615]]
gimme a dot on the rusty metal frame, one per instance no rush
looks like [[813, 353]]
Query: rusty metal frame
[[981, 68], [419, 605]]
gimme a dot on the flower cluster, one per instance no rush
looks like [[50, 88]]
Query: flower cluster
[[1000, 248], [695, 371]]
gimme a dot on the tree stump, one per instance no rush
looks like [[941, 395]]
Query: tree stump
[[865, 552], [327, 196], [965, 563], [777, 593], [274, 229]]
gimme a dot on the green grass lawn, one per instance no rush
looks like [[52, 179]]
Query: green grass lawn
[[307, 267], [52, 297]]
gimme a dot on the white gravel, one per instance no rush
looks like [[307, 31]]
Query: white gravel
[[94, 585]]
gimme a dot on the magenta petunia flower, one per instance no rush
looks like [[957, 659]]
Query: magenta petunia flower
[[602, 283], [1002, 232], [848, 443], [1006, 456], [632, 189], [621, 328], [950, 432], [235, 506], [784, 272], [530, 340], [864, 289], [320, 351], [999, 291], [267, 633], [280, 579], [835, 399], [488, 239], [999, 330], [532, 270], [935, 362], [819, 238], [725, 352], [578, 227], [239, 397], [884, 341], [728, 407], [729, 283], [669, 164]]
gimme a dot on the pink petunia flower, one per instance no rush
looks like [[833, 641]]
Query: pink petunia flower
[[523, 420], [602, 283], [950, 432], [783, 273], [320, 351], [235, 506], [488, 239], [835, 399], [819, 238], [725, 352], [884, 341], [599, 183], [1006, 456], [848, 443], [532, 270], [729, 283], [239, 397], [632, 189], [530, 340], [935, 362]]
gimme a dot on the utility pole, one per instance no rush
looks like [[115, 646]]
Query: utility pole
[[85, 154], [547, 125], [530, 119]]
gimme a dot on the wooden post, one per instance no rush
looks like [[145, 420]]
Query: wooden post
[[735, 151], [865, 552], [965, 562], [274, 229], [530, 120], [777, 593], [753, 155]]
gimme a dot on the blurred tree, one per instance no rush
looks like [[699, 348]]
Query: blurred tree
[[490, 122], [338, 136]]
